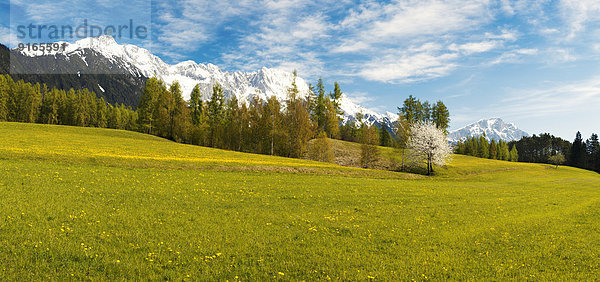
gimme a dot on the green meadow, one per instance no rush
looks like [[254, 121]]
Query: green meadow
[[87, 203]]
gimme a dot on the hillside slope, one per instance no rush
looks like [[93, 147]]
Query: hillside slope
[[97, 204]]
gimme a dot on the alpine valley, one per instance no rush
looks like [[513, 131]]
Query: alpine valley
[[118, 73]]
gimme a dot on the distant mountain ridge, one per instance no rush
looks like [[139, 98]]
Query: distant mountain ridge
[[140, 63], [83, 69], [494, 129]]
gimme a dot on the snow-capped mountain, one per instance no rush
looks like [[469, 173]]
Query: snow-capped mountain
[[494, 129], [262, 83]]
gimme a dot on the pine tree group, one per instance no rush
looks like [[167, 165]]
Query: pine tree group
[[482, 148]]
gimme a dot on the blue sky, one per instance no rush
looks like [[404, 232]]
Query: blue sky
[[534, 63]]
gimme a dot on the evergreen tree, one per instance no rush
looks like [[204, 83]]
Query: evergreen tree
[[297, 122], [272, 115], [336, 97], [4, 88], [493, 150], [102, 113], [441, 116], [503, 152], [411, 110], [593, 153], [425, 113], [215, 114], [196, 104], [348, 131], [332, 122], [483, 147], [385, 138], [148, 104], [320, 106], [23, 102], [578, 152], [471, 147], [50, 107], [178, 121], [514, 154]]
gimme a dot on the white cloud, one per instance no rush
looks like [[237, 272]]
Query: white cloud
[[549, 31], [474, 47], [514, 56], [360, 97], [559, 55], [420, 18], [403, 68], [578, 13], [7, 38], [351, 47], [507, 35], [532, 51], [571, 97]]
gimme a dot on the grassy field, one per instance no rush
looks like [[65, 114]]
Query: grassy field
[[348, 154], [88, 203]]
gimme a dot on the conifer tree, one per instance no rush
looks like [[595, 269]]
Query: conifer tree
[[411, 110], [493, 150], [231, 124], [593, 153], [50, 108], [385, 138], [425, 112], [578, 152], [320, 107], [215, 114], [483, 147], [148, 104], [332, 122], [298, 123], [272, 115], [514, 154], [440, 116], [336, 97], [102, 113], [4, 86], [196, 104]]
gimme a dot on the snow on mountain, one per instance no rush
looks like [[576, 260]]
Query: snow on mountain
[[494, 129], [262, 83]]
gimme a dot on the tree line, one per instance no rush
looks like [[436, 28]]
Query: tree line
[[35, 103], [547, 148], [264, 127], [482, 148], [543, 148]]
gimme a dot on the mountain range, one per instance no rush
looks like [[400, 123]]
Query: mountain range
[[119, 71], [494, 129]]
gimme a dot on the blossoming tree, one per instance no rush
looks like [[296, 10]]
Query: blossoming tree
[[429, 144]]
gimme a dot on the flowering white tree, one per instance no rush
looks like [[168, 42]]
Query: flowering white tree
[[429, 144]]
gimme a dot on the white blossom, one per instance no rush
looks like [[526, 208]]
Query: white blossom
[[429, 144]]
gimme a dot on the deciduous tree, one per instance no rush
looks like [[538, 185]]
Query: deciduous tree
[[428, 144]]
